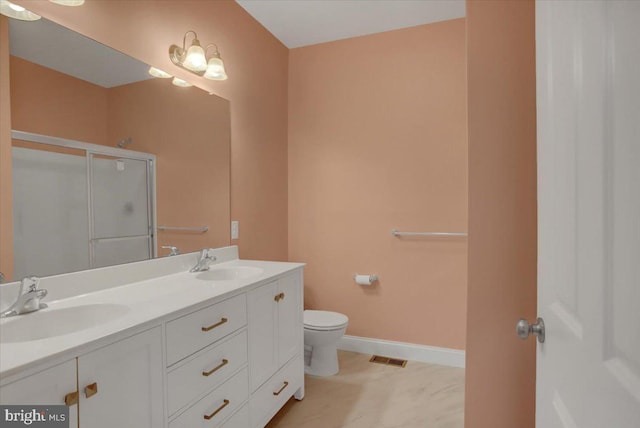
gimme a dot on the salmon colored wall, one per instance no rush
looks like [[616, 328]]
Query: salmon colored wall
[[6, 177], [256, 63], [48, 102], [500, 379], [378, 140], [189, 132]]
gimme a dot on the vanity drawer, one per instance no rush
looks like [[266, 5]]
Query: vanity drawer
[[239, 420], [217, 405], [206, 370], [194, 331], [275, 392]]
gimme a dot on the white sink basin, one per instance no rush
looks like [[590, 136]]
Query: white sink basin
[[48, 322], [229, 273]]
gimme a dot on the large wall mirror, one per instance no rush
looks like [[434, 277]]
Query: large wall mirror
[[110, 164]]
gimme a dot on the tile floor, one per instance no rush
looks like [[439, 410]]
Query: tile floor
[[368, 395]]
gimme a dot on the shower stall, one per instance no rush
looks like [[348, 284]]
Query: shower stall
[[79, 205]]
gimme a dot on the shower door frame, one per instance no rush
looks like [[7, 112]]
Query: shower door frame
[[96, 149]]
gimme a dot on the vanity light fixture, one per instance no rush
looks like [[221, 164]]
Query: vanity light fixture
[[181, 83], [191, 58], [194, 58], [68, 2], [18, 12], [215, 66], [156, 72]]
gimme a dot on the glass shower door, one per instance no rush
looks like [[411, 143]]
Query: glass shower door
[[51, 226], [120, 194]]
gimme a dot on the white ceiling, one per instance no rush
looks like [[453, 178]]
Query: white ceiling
[[306, 22], [53, 46]]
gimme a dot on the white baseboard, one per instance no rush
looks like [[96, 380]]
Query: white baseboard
[[407, 351]]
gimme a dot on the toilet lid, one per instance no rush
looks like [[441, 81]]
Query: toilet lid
[[324, 320]]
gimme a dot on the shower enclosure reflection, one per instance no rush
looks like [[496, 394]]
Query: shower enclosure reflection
[[78, 208]]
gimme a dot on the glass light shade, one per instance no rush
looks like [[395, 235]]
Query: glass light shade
[[181, 83], [156, 72], [194, 59], [18, 12], [215, 69], [68, 2]]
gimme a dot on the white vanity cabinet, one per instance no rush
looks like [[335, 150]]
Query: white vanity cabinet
[[275, 346], [118, 385], [50, 386], [224, 353]]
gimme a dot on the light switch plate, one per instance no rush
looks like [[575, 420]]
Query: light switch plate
[[235, 229]]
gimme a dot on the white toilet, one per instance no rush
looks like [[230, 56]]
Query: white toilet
[[322, 330]]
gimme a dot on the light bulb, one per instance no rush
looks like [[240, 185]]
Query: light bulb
[[181, 83], [17, 12], [195, 59], [156, 72], [68, 2], [215, 69]]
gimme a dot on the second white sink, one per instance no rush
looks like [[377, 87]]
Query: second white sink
[[49, 322], [229, 273]]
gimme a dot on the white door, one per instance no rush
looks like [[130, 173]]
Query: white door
[[289, 319], [121, 385], [56, 385], [588, 77], [263, 339]]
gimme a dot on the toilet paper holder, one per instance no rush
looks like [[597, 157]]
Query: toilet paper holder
[[365, 279]]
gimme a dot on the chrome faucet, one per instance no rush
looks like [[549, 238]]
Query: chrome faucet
[[206, 258], [28, 300], [173, 251]]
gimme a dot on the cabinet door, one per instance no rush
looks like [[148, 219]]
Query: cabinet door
[[128, 379], [263, 320], [49, 386], [290, 325]]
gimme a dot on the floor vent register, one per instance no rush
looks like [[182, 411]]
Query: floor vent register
[[388, 361]]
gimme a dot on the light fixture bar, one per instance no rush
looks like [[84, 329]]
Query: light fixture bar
[[181, 83], [17, 12], [68, 2], [156, 72]]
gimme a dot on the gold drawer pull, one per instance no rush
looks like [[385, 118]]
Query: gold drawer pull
[[71, 398], [218, 324], [216, 368], [91, 390], [281, 389], [281, 296], [278, 297], [215, 412]]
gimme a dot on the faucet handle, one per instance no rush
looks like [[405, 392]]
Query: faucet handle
[[173, 251], [29, 283], [206, 255]]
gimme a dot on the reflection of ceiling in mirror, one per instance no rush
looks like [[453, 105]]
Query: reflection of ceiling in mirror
[[51, 45]]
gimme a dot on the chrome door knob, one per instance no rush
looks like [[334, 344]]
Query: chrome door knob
[[524, 329]]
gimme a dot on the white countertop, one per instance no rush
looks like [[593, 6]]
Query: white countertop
[[149, 302]]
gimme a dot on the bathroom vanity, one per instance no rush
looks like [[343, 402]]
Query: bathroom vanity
[[150, 344]]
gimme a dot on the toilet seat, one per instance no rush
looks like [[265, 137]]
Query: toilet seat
[[324, 320]]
